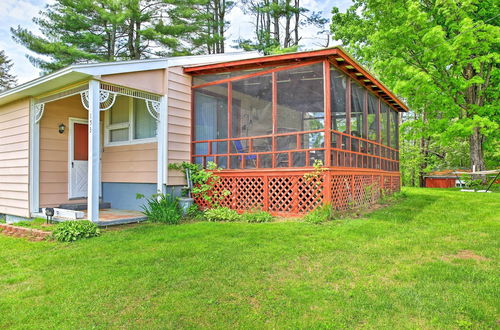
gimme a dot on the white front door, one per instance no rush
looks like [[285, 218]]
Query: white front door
[[78, 158]]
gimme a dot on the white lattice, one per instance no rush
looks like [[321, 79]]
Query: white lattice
[[106, 99], [39, 109], [153, 109]]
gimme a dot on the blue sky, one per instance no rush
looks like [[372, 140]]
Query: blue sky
[[21, 12]]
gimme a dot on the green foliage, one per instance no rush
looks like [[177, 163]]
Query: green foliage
[[221, 214], [75, 31], [163, 208], [321, 214], [278, 25], [257, 216], [442, 58], [400, 267], [37, 223], [317, 172], [193, 212], [203, 181], [7, 80], [70, 231]]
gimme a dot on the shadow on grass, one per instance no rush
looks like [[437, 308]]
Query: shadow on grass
[[406, 207]]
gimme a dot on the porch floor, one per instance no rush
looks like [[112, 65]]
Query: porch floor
[[110, 217]]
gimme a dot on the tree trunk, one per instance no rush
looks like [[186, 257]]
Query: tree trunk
[[276, 24], [476, 153], [130, 39], [297, 22]]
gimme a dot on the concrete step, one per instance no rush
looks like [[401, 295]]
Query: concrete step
[[83, 206]]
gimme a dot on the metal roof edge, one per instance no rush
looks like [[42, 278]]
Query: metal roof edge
[[118, 67]]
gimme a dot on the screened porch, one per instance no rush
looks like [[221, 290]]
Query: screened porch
[[292, 116]]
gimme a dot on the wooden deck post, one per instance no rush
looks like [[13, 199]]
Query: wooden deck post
[[94, 160]]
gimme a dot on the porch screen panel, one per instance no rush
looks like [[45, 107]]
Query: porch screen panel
[[210, 113], [338, 100], [300, 107], [372, 117], [384, 111], [394, 129], [301, 99], [357, 110], [252, 115]]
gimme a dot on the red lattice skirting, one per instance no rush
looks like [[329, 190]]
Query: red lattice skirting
[[288, 193]]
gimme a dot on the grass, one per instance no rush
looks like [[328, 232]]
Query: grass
[[429, 261], [37, 223]]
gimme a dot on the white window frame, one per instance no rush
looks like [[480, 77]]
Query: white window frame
[[130, 125]]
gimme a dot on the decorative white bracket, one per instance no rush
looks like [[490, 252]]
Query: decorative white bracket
[[153, 109], [106, 99], [39, 108]]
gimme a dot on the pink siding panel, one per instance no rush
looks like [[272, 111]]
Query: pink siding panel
[[14, 158], [130, 163], [179, 121], [150, 81]]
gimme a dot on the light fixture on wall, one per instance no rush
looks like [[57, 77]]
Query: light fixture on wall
[[62, 128]]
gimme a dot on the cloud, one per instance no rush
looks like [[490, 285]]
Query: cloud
[[19, 12]]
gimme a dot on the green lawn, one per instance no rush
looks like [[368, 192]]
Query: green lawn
[[430, 261]]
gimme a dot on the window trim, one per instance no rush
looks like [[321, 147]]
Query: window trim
[[130, 124]]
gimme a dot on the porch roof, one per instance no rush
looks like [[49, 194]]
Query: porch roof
[[80, 72], [336, 55]]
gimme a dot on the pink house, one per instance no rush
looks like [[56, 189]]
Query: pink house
[[94, 135]]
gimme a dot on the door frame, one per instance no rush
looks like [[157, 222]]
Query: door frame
[[71, 121]]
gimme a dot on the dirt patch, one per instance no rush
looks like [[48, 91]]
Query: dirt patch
[[465, 254]]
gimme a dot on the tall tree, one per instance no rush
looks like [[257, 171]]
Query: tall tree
[[278, 24], [7, 80], [212, 25], [441, 56], [107, 30]]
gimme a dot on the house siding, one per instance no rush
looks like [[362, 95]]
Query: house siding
[[149, 81], [14, 158], [54, 147], [179, 121], [135, 163]]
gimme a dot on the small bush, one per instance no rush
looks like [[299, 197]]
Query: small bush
[[221, 214], [256, 216], [320, 214], [162, 208], [194, 213], [70, 231]]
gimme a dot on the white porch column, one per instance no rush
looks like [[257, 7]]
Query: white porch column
[[94, 165], [34, 181], [161, 172]]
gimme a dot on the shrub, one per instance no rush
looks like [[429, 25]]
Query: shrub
[[162, 208], [70, 231], [320, 214], [221, 214], [257, 216], [194, 212]]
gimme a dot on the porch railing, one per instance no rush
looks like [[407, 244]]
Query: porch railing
[[296, 150]]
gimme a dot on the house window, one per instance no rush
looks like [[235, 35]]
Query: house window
[[129, 122]]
